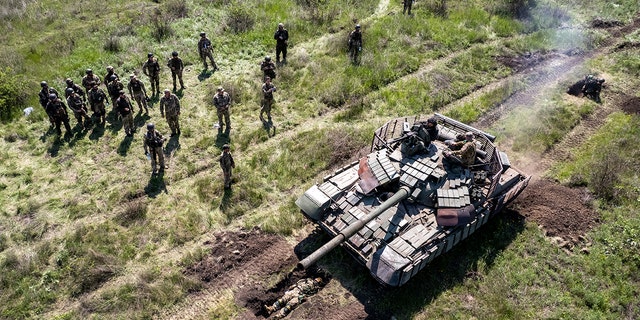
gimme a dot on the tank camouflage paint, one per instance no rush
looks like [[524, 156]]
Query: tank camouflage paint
[[398, 208]]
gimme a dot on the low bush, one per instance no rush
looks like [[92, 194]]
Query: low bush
[[13, 95]]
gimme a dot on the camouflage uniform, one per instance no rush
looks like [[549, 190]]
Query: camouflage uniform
[[205, 49], [282, 42], [79, 108], [57, 110], [267, 99], [114, 88], [153, 141], [125, 110], [592, 87], [43, 95], [176, 66], [170, 106], [89, 80], [465, 152], [138, 92], [77, 89], [268, 68], [97, 99], [110, 72], [294, 296], [355, 43], [151, 69], [222, 101], [227, 164]]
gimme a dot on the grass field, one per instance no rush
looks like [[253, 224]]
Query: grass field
[[86, 232]]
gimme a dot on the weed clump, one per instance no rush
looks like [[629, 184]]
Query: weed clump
[[113, 45], [133, 211], [240, 19], [13, 95]]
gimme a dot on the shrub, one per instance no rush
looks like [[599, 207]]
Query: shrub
[[13, 95], [113, 44], [240, 19], [176, 9]]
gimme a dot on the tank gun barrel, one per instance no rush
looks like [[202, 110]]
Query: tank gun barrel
[[345, 234]]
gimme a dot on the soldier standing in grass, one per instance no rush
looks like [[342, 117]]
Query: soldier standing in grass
[[355, 43], [138, 92], [407, 6], [296, 294], [57, 111], [205, 50], [110, 72], [78, 106], [151, 69], [176, 66], [170, 106], [222, 101], [282, 42], [88, 79], [76, 88], [114, 87], [268, 68], [153, 141], [227, 164], [97, 99], [125, 110], [44, 94], [267, 99]]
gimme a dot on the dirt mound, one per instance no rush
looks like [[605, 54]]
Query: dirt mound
[[576, 88], [631, 105], [562, 212], [604, 24]]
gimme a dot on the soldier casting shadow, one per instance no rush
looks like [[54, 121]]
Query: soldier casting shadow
[[172, 145], [222, 139], [204, 75], [96, 133], [141, 119], [269, 127], [124, 146], [156, 185], [55, 147]]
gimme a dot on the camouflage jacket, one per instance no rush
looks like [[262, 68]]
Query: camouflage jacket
[[44, 95], [267, 90], [151, 67], [57, 109], [267, 66], [175, 64], [97, 96], [114, 88], [136, 86], [466, 152], [108, 75], [355, 38], [87, 80], [281, 37], [226, 161], [124, 106], [204, 46], [76, 104], [222, 102], [152, 139], [170, 105], [305, 286], [77, 89]]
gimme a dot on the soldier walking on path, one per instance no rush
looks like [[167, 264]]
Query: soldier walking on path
[[268, 68], [176, 66], [282, 42], [227, 164], [78, 106], [206, 51], [222, 101], [138, 92], [97, 99], [88, 79], [355, 44], [43, 96], [76, 88], [267, 99], [153, 141], [125, 110], [170, 106], [296, 294], [57, 111], [151, 69]]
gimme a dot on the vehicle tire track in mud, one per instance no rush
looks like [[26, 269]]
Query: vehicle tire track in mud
[[235, 260]]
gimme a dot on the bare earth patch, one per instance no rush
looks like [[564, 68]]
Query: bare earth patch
[[562, 212], [631, 105]]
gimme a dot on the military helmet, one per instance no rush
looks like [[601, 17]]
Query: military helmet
[[432, 120], [166, 90], [469, 134], [225, 147], [149, 55], [121, 92], [52, 96], [112, 77], [202, 34], [89, 71], [357, 26], [70, 91], [267, 58], [69, 81], [43, 84], [175, 53], [150, 126], [220, 89], [131, 76], [109, 68]]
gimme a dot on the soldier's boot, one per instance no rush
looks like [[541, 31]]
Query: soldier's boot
[[215, 66], [181, 85]]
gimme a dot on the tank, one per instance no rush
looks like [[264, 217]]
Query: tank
[[404, 204]]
